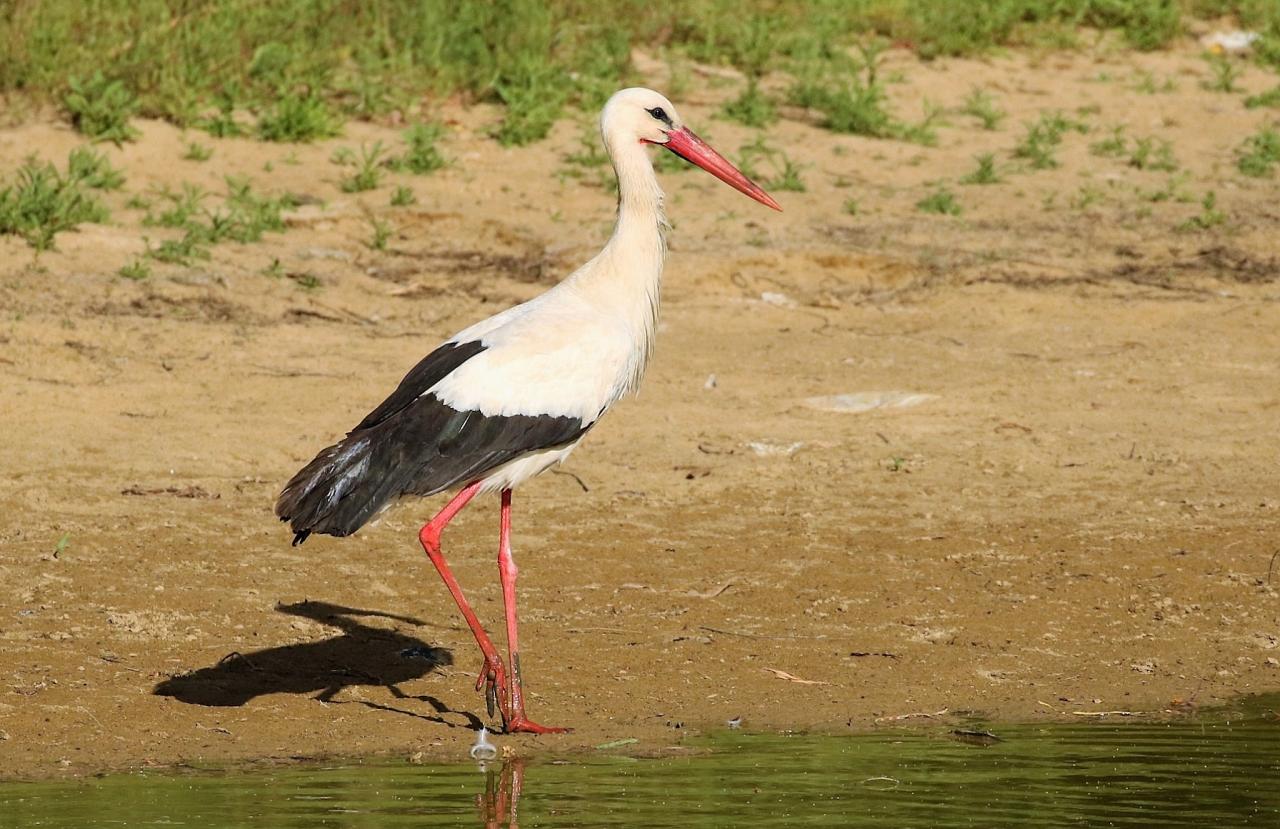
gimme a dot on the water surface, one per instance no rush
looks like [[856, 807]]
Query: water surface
[[1220, 770]]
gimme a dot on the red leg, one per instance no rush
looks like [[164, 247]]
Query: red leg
[[514, 717], [492, 675]]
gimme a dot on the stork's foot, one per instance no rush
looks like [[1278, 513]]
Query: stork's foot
[[520, 725], [493, 679]]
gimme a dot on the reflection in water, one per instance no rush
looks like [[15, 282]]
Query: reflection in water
[[500, 803], [1210, 771]]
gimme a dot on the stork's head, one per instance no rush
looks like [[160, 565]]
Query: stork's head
[[639, 114]]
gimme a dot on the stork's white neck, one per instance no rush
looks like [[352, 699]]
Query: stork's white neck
[[626, 277]]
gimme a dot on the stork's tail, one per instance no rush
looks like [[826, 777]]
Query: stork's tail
[[339, 491]]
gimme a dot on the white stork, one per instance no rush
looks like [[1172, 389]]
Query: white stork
[[512, 395]]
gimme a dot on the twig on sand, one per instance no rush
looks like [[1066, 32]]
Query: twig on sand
[[1274, 555], [793, 678], [571, 475], [712, 593], [1105, 713], [913, 715]]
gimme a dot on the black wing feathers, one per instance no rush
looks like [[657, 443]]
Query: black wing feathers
[[411, 444], [433, 368]]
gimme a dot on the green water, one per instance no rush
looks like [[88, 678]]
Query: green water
[[1209, 772]]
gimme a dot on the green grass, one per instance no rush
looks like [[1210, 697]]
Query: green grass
[[181, 251], [197, 152], [1270, 98], [850, 95], [783, 174], [1147, 83], [985, 173], [941, 201], [222, 123], [982, 106], [1087, 196], [1259, 155], [752, 108], [1224, 72], [137, 270], [100, 108], [304, 66], [1208, 217], [421, 155], [367, 172], [243, 216], [589, 153], [1152, 154], [534, 99], [1115, 145], [1173, 190], [41, 203], [382, 231], [1039, 145], [298, 118], [92, 169], [403, 196], [181, 209]]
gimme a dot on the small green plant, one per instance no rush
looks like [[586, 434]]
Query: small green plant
[[402, 196], [222, 123], [181, 251], [1208, 217], [1259, 154], [589, 153], [1224, 73], [101, 108], [1087, 196], [1040, 143], [752, 108], [421, 155], [197, 152], [853, 101], [250, 215], [982, 106], [534, 99], [183, 206], [93, 170], [1270, 98], [850, 206], [1173, 190], [1150, 154], [368, 168], [985, 173], [306, 281], [1114, 145], [43, 203], [941, 201], [1147, 83], [137, 270], [382, 231], [785, 172], [275, 270], [298, 118]]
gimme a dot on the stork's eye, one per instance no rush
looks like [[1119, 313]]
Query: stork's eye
[[660, 114]]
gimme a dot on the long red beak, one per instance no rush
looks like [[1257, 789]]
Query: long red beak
[[693, 149]]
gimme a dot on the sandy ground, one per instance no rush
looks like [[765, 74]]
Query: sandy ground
[[1079, 517]]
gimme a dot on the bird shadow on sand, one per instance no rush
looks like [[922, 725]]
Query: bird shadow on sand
[[361, 656]]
